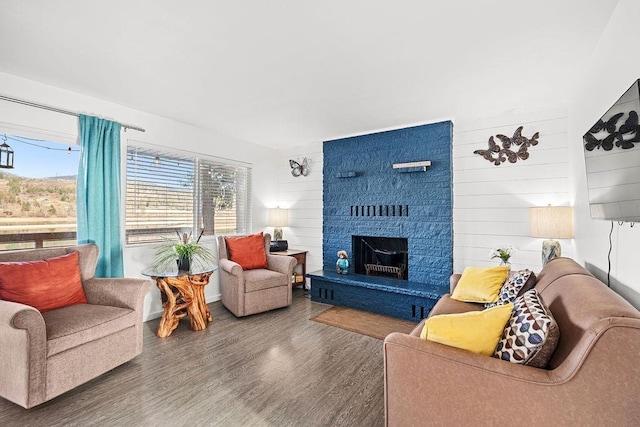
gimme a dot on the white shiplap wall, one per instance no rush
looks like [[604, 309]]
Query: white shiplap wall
[[303, 197], [491, 203]]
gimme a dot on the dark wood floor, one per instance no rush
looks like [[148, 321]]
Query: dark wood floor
[[272, 369]]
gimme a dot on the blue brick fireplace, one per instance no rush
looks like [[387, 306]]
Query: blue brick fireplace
[[363, 195]]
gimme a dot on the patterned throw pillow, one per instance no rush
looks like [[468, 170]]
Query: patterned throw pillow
[[517, 284], [531, 335]]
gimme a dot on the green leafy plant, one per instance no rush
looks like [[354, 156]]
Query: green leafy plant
[[167, 255], [503, 252]]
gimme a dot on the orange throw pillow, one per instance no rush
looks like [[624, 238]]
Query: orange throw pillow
[[44, 284], [248, 251]]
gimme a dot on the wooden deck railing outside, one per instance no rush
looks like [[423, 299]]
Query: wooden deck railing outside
[[38, 239]]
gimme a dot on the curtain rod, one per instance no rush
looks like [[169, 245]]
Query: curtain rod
[[58, 110]]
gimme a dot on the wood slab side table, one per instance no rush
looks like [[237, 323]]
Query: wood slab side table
[[182, 295]]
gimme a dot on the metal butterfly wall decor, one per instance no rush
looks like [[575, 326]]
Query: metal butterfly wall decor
[[520, 144], [298, 169], [625, 136]]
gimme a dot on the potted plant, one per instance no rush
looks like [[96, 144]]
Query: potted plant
[[504, 253], [186, 252]]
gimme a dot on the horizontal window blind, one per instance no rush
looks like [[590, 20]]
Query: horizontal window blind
[[167, 192], [223, 205]]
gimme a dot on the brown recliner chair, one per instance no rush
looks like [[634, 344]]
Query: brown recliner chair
[[246, 292], [46, 354]]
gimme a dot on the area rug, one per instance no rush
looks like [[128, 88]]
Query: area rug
[[362, 322]]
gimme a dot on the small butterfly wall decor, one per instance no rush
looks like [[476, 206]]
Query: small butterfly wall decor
[[512, 149], [298, 169]]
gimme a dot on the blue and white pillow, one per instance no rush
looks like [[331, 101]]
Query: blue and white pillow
[[516, 284], [531, 335]]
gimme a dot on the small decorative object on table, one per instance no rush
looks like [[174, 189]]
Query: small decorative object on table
[[342, 265], [185, 252], [504, 253]]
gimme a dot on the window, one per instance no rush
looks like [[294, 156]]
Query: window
[[38, 196], [169, 192]]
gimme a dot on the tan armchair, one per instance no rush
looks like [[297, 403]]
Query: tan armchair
[[246, 292], [46, 354]]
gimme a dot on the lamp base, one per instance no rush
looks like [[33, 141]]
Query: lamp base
[[550, 250], [277, 234]]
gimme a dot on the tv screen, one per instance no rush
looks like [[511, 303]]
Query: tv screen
[[612, 160]]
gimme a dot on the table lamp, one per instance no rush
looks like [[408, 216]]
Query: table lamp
[[551, 222], [278, 218]]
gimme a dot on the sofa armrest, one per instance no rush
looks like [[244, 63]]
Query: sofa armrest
[[448, 386], [281, 264], [117, 292], [23, 354], [446, 355], [453, 281], [230, 267]]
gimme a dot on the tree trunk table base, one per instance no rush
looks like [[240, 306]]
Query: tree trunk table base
[[183, 296]]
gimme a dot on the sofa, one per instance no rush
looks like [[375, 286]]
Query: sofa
[[45, 354], [592, 378], [247, 291]]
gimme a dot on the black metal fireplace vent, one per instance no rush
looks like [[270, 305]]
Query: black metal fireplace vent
[[379, 210]]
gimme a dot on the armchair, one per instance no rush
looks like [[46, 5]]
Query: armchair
[[45, 354], [246, 292]]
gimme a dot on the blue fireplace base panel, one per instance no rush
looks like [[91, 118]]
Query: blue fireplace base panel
[[392, 297]]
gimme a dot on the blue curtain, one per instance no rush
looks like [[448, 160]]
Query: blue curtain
[[98, 192]]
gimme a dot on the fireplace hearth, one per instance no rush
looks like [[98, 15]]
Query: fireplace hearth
[[381, 256]]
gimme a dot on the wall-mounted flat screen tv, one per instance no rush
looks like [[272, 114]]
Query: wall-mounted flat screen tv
[[612, 160]]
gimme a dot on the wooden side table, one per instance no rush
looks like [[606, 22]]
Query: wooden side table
[[182, 294], [301, 258]]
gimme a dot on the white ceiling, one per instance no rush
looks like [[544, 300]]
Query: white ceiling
[[290, 72]]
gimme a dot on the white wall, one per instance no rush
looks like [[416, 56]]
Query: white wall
[[302, 195], [491, 203], [33, 122], [609, 73]]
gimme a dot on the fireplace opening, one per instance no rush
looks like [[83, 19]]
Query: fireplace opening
[[381, 256]]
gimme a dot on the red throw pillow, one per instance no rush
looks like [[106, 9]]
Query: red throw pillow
[[44, 284], [248, 251]]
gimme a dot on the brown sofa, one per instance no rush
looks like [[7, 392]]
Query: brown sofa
[[593, 377], [246, 292], [46, 354]]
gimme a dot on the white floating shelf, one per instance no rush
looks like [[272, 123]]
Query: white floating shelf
[[412, 166]]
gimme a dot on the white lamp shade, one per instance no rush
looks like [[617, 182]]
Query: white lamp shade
[[552, 222], [278, 217]]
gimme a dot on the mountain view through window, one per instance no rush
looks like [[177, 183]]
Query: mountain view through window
[[38, 196]]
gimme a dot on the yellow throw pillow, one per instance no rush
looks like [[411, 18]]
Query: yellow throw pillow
[[476, 331], [480, 284]]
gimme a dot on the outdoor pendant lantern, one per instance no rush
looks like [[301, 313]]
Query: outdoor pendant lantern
[[6, 154]]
